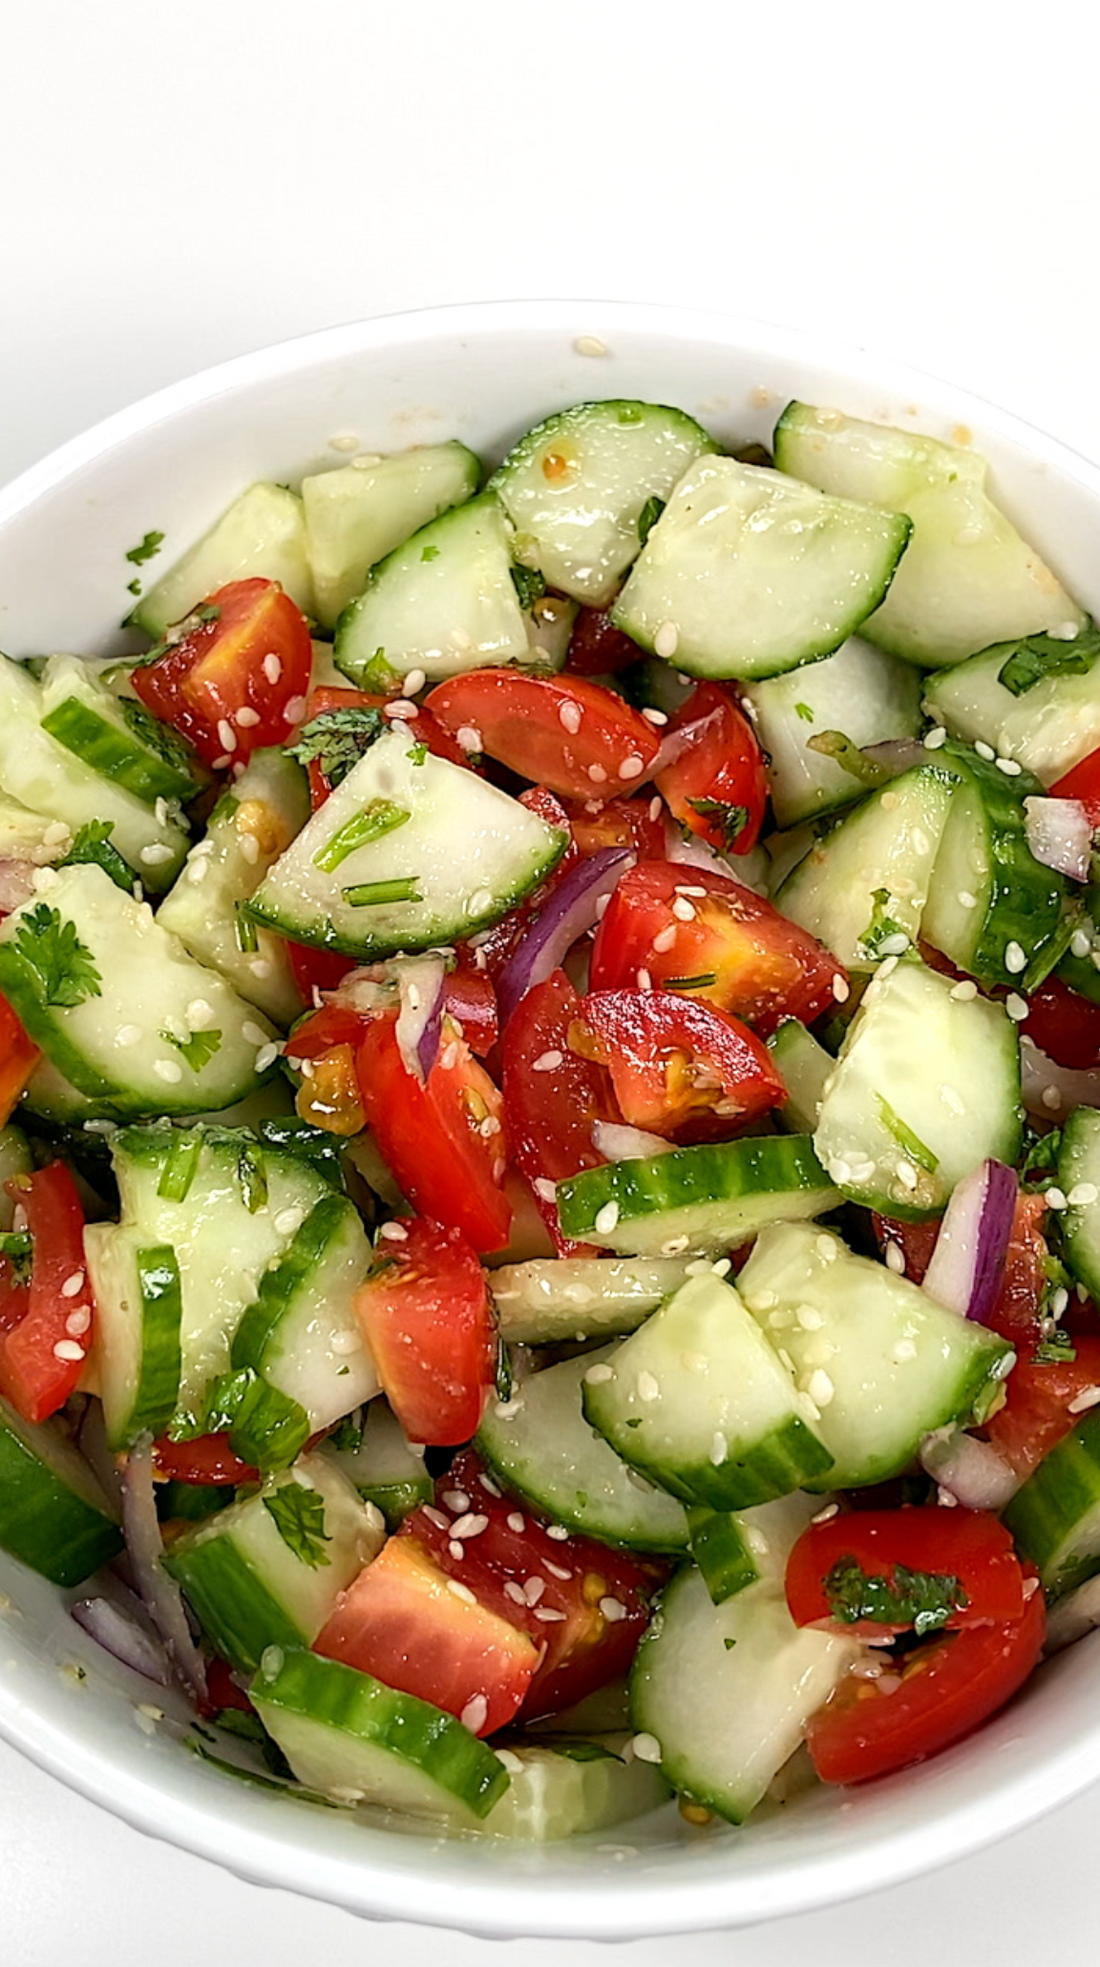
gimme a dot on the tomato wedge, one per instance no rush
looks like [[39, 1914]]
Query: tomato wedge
[[552, 1096], [597, 647], [718, 785], [445, 1140], [567, 733], [945, 1689], [718, 941], [584, 1605], [47, 1321], [679, 1067], [206, 1461], [428, 1320], [636, 823], [1082, 782], [1040, 1399], [1064, 1025], [401, 1622], [18, 1057], [237, 677], [885, 1571]]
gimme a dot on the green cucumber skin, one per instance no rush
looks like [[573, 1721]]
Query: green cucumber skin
[[161, 1316], [752, 1176], [339, 1698], [720, 1552], [1079, 1162], [44, 1522], [108, 750], [232, 1603], [1059, 1500], [278, 1285]]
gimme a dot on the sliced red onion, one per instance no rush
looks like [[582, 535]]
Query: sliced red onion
[[1059, 835], [970, 1470], [120, 1635], [1051, 1090], [368, 990], [620, 1143], [748, 870], [158, 1592], [421, 986], [968, 1260], [1073, 1616], [895, 754], [16, 884], [570, 910]]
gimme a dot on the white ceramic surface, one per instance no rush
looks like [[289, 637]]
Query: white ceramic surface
[[484, 373]]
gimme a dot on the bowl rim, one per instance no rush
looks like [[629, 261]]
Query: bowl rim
[[495, 1905]]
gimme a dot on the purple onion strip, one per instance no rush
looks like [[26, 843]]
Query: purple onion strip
[[120, 1635], [968, 1260], [159, 1593], [571, 909]]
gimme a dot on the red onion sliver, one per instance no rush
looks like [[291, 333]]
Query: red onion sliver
[[1059, 835], [970, 1470], [122, 1637], [968, 1260], [421, 984], [571, 909], [158, 1592], [620, 1143], [16, 884], [895, 754]]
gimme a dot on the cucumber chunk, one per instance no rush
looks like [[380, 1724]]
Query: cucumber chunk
[[748, 573], [119, 1007], [804, 1066], [540, 1445], [443, 602], [383, 1465], [882, 1363], [358, 513], [726, 1690], [116, 736], [968, 579], [348, 1737], [268, 1571], [261, 535], [1048, 728], [926, 1086], [858, 690], [53, 1514], [1078, 1173], [1055, 1517], [554, 1298], [698, 1401], [695, 1200], [577, 488], [335, 895], [560, 1788]]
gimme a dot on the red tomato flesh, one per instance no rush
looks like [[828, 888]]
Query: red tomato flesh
[[428, 1320], [242, 674], [18, 1057], [718, 786], [597, 647], [1082, 782], [967, 1545], [1064, 1025], [47, 1328], [574, 736], [727, 945], [552, 1096], [206, 1461], [401, 1622], [677, 1063], [1039, 1400]]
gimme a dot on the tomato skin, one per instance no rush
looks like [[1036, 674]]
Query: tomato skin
[[400, 1621], [970, 1545], [217, 670], [1039, 1396], [317, 969], [583, 1649], [916, 1241], [949, 1686], [550, 1113], [628, 823], [206, 1461], [765, 968], [1081, 782], [319, 1032], [677, 1064], [428, 1320], [597, 647], [520, 719], [724, 765], [37, 1317], [1064, 1025], [431, 1135], [18, 1057]]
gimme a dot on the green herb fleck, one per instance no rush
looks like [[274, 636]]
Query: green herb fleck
[[209, 612], [1036, 657], [529, 584], [505, 1378], [252, 1177], [149, 548], [134, 586], [803, 710], [417, 752], [375, 894], [299, 1516], [911, 1143], [842, 751], [244, 929], [1056, 1350], [378, 817], [924, 1600], [159, 737], [731, 821], [266, 1428], [702, 982], [581, 1751], [64, 969], [882, 928], [1041, 1159], [429, 553], [648, 517], [16, 1246], [347, 1436], [92, 846], [198, 1048], [337, 739], [729, 1644], [380, 675]]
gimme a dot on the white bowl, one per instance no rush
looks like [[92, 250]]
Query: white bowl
[[483, 374]]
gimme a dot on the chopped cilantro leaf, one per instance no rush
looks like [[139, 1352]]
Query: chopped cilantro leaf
[[63, 967], [347, 1436], [1057, 1350], [92, 846], [702, 982], [1036, 657], [529, 584], [148, 549], [883, 928], [834, 745], [252, 1177], [803, 710], [1041, 1158], [198, 1048], [729, 1644], [731, 821], [159, 737], [909, 1142], [299, 1516], [648, 517], [924, 1600], [429, 553], [337, 739], [16, 1246], [417, 752], [134, 586]]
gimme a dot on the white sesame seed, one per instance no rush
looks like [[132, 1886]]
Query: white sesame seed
[[547, 1191], [516, 1522], [1016, 1007], [273, 668], [533, 1590], [826, 1515], [475, 1713], [288, 1221], [470, 1525], [722, 1268], [652, 716], [1051, 1098], [414, 682], [644, 980], [168, 1070], [515, 1592], [599, 1374], [841, 990], [655, 806], [895, 945], [590, 345], [295, 710], [1082, 1195], [1089, 1396], [935, 737], [667, 640], [646, 1748], [227, 736], [456, 1499], [674, 1246], [252, 1033], [966, 899], [597, 774], [632, 766], [1056, 1199], [1015, 958], [1080, 943], [558, 1534], [1009, 767], [78, 1321], [895, 1259], [459, 1590], [719, 1449], [906, 1174], [547, 1062], [548, 1615], [156, 854], [570, 715], [648, 1387], [479, 901], [984, 750], [613, 1610], [682, 909], [556, 1570], [68, 1349], [128, 1034], [965, 991], [197, 870], [74, 1284], [249, 848], [266, 1056], [468, 737], [606, 1218]]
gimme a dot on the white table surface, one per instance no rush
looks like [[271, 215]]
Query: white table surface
[[181, 183]]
